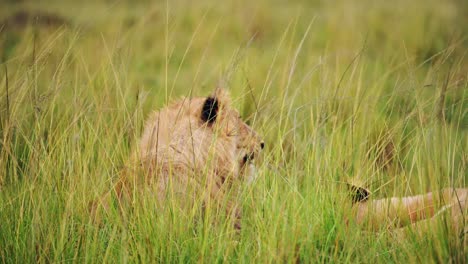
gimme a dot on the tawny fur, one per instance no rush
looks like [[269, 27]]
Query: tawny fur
[[183, 154]]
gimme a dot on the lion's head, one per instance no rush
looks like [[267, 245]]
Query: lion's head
[[200, 133]]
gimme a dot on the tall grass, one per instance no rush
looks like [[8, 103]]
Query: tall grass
[[341, 91]]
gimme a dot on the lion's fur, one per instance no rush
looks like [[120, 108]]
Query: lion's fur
[[187, 150]]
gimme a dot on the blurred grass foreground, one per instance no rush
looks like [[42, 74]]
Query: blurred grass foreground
[[372, 91]]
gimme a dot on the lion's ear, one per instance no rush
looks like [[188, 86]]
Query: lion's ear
[[210, 110]]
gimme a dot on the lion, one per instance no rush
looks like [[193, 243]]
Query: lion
[[195, 149]]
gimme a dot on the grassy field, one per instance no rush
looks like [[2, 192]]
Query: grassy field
[[367, 91]]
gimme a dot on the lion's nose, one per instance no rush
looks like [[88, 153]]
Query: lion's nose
[[262, 145]]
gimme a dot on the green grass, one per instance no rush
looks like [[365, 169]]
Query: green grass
[[345, 90]]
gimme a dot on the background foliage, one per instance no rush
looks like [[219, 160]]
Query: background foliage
[[368, 91]]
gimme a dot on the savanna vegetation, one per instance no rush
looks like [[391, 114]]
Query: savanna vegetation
[[373, 92]]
